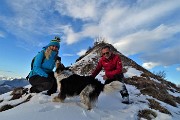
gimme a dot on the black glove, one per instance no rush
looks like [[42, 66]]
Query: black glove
[[119, 77]]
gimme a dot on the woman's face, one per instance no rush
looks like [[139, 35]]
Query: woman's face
[[54, 48]]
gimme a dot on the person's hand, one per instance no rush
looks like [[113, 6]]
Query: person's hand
[[104, 77]]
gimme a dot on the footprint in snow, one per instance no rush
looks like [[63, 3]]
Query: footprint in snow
[[46, 109]]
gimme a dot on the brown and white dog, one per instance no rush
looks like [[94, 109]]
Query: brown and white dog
[[89, 88]]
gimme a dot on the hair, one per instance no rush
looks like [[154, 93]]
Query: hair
[[48, 52], [106, 46]]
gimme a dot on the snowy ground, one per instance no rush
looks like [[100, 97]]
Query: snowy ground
[[108, 107]]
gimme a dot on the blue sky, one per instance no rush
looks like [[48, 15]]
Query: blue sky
[[147, 31]]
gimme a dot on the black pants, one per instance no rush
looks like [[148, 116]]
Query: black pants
[[40, 84], [119, 77]]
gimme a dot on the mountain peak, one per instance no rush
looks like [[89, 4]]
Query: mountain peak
[[147, 82]]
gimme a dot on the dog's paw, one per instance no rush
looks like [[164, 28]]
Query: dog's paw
[[56, 99]]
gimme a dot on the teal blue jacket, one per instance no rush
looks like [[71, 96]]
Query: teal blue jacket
[[43, 66]]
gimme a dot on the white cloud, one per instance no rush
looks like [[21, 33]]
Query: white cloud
[[68, 55], [79, 9], [166, 57], [133, 27], [150, 65], [118, 20], [30, 20], [178, 68], [91, 31], [107, 18], [82, 52], [72, 37], [114, 22], [2, 34], [146, 40]]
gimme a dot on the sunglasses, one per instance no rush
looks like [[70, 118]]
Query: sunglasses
[[106, 53], [54, 47]]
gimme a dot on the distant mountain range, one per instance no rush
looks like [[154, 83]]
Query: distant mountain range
[[8, 84], [8, 78]]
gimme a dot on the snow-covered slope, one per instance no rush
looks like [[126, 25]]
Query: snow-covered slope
[[108, 107]]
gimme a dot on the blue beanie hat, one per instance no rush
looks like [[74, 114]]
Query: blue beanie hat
[[55, 42]]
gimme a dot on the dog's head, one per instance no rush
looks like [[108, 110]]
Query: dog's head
[[62, 72], [59, 68]]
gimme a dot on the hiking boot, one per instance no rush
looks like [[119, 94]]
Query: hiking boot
[[34, 90], [125, 100], [49, 94]]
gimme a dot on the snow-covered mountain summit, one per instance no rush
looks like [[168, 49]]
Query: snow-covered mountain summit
[[148, 83], [151, 97]]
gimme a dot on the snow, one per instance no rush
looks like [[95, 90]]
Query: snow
[[108, 107], [86, 58], [132, 72], [155, 80], [174, 94], [41, 107]]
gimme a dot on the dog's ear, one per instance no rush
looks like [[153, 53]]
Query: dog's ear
[[57, 63], [67, 68], [60, 68]]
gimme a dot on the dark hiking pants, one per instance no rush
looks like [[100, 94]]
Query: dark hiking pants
[[40, 84], [119, 77]]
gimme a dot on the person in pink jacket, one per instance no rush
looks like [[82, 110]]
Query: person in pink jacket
[[112, 65]]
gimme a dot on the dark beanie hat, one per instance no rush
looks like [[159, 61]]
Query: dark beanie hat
[[55, 42]]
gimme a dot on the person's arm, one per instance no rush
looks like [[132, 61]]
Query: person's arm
[[37, 66], [98, 69], [118, 69]]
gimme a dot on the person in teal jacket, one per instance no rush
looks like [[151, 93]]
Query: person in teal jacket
[[41, 76]]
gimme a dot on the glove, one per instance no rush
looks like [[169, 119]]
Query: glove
[[119, 77]]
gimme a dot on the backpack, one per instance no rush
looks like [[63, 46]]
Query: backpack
[[32, 62]]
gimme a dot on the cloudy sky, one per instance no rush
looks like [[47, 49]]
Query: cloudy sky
[[147, 31]]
